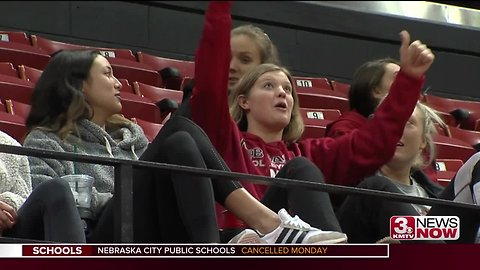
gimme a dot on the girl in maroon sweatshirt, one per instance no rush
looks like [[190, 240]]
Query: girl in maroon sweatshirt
[[268, 108]]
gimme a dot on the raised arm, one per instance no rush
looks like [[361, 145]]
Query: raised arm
[[209, 100], [363, 151]]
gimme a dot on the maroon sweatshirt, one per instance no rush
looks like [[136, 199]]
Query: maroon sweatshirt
[[343, 161]]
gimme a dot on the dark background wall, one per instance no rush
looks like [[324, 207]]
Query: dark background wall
[[312, 39]]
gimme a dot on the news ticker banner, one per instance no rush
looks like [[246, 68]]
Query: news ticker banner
[[193, 251]]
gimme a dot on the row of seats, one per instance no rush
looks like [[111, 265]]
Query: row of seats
[[35, 51]]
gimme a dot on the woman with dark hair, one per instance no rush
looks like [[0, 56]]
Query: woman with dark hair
[[371, 83]]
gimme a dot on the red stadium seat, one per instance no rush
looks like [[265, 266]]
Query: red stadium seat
[[15, 88], [340, 87], [149, 129], [452, 148], [123, 61], [13, 125], [17, 108], [310, 84], [156, 94], [446, 170], [15, 37], [21, 54], [469, 136], [126, 87], [29, 74], [324, 100], [7, 68], [170, 79], [134, 106], [319, 114]]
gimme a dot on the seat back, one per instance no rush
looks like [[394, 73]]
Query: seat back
[[452, 148], [149, 129], [14, 107], [29, 74]]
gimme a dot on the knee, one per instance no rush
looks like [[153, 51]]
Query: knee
[[303, 169], [180, 140], [57, 190]]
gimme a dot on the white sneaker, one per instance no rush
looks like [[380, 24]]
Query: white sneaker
[[292, 230]]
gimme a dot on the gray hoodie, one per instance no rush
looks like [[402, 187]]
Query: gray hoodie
[[125, 142]]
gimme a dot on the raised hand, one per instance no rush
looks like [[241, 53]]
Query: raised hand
[[415, 58]]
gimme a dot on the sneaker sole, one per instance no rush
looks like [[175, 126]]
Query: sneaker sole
[[247, 237]]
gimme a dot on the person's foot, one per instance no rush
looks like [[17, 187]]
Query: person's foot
[[292, 230]]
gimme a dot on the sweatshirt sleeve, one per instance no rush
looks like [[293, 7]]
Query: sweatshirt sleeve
[[347, 159], [209, 100], [15, 182]]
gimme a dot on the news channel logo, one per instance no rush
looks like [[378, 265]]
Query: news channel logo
[[425, 227]]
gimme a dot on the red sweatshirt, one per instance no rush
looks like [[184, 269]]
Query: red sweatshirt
[[343, 161], [347, 122]]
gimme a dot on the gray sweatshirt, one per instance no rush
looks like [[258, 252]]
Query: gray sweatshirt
[[15, 182], [126, 142]]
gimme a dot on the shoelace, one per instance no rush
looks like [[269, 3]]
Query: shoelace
[[296, 222]]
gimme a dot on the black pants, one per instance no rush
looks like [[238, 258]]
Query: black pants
[[367, 219], [50, 214]]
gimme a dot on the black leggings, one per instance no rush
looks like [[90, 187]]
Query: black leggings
[[50, 214]]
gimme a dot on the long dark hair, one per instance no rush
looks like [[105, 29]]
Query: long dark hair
[[57, 100]]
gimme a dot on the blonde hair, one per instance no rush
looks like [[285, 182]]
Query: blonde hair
[[268, 51], [294, 130], [429, 119]]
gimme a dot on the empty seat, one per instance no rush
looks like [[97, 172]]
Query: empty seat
[[469, 136], [156, 94], [13, 125], [452, 148], [15, 37], [22, 54], [315, 128], [309, 84], [15, 88], [167, 68], [126, 87], [167, 100], [29, 73], [7, 68], [340, 87], [17, 108], [149, 129], [134, 106], [452, 104], [309, 115], [446, 170], [123, 61], [323, 101]]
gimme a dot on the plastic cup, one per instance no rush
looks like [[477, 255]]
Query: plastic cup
[[81, 186]]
